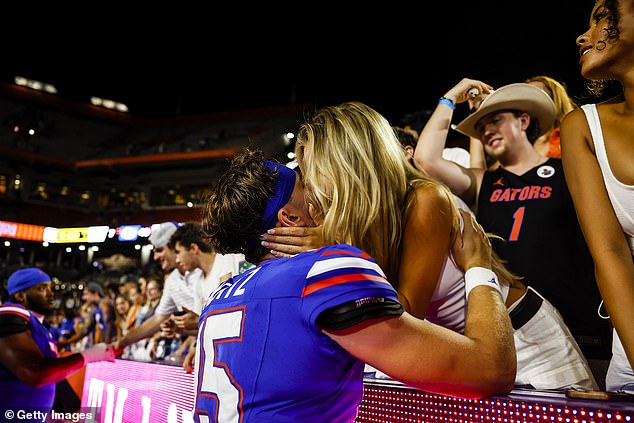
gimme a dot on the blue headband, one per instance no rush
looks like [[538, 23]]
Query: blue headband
[[25, 278], [283, 190]]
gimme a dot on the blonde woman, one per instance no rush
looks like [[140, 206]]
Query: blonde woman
[[361, 186], [549, 145]]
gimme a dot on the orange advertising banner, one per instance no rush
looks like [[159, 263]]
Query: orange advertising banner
[[21, 231]]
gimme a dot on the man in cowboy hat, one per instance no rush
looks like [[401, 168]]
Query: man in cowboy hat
[[525, 200]]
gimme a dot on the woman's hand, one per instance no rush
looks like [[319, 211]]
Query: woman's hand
[[472, 248], [286, 241]]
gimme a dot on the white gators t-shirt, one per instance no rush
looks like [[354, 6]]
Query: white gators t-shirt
[[224, 267]]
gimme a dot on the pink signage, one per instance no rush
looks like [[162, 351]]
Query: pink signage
[[135, 392]]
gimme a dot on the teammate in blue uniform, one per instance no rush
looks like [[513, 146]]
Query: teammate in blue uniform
[[286, 341], [29, 366]]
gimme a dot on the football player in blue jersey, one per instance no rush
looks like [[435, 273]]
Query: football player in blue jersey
[[29, 366], [287, 340]]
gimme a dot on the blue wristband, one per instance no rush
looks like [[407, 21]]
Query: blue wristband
[[447, 102]]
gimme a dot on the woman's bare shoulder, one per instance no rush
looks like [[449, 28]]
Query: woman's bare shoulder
[[432, 194], [432, 204]]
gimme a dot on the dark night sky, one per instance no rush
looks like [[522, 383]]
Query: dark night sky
[[397, 64]]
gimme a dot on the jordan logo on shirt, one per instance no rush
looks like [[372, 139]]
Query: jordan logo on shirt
[[499, 182]]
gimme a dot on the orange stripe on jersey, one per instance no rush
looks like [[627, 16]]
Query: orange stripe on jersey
[[336, 280], [350, 253]]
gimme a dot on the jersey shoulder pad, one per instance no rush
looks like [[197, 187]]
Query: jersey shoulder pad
[[13, 320]]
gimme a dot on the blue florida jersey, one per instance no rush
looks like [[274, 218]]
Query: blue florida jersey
[[261, 354], [14, 393]]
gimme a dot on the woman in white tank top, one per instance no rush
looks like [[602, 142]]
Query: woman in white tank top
[[598, 151]]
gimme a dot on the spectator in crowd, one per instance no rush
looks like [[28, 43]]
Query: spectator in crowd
[[154, 289], [193, 253], [137, 299], [142, 281], [142, 350], [598, 153], [327, 329], [525, 201], [430, 286], [408, 141], [127, 282], [178, 291], [106, 305], [67, 327], [98, 326], [548, 144], [29, 366], [81, 320], [112, 289], [122, 308], [54, 320], [413, 124]]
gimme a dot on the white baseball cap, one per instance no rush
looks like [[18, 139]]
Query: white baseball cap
[[161, 233]]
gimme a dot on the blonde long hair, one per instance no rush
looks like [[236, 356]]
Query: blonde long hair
[[358, 180], [558, 92]]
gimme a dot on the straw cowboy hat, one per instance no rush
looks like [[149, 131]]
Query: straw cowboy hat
[[521, 96]]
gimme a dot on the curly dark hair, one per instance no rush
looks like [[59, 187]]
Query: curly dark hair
[[190, 233], [611, 7], [234, 209]]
